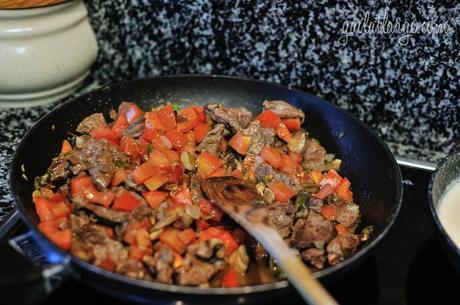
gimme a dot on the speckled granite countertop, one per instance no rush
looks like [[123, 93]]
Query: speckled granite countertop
[[404, 85]]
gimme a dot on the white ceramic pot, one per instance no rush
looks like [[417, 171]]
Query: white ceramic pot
[[45, 53]]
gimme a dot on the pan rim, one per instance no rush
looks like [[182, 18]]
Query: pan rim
[[14, 168]]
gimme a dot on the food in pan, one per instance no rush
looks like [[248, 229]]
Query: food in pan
[[125, 195]]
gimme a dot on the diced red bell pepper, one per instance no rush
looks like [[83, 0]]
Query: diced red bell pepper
[[104, 132], [50, 228], [224, 235], [237, 174], [292, 124], [178, 139], [107, 264], [129, 147], [324, 191], [289, 166], [175, 173], [153, 121], [119, 176], [136, 253], [341, 229], [207, 163], [283, 132], [155, 198], [281, 191], [329, 212], [220, 172], [297, 158], [177, 240], [156, 181], [201, 130], [332, 178], [143, 172], [230, 279], [223, 145], [79, 184], [126, 202], [158, 158], [272, 156], [343, 190], [209, 211], [268, 119], [240, 143], [201, 224], [144, 148], [48, 210], [182, 196], [187, 119], [150, 134], [200, 112], [191, 142], [120, 124], [83, 186], [167, 116]]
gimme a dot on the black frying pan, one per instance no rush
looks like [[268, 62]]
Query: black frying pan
[[367, 162]]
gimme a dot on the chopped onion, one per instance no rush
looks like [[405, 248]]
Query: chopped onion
[[188, 160], [193, 211]]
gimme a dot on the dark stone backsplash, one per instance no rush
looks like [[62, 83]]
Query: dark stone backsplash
[[408, 89]]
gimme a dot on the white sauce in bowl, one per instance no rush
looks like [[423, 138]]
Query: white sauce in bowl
[[449, 211]]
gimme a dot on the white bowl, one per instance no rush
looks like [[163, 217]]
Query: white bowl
[[45, 53]]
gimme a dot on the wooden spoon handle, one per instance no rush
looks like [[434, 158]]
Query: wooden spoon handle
[[298, 274]]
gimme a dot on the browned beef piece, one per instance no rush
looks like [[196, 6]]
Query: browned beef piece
[[60, 169], [243, 115], [98, 158], [201, 262], [195, 189], [347, 213], [315, 204], [341, 247], [91, 243], [315, 257], [315, 230], [282, 217], [105, 215], [222, 115], [91, 122], [269, 136], [142, 211], [263, 169], [134, 269], [284, 109], [161, 265], [313, 157], [254, 131], [136, 128], [212, 140]]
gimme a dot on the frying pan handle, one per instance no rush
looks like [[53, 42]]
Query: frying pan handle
[[27, 276]]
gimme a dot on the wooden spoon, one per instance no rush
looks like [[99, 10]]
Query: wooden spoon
[[242, 202]]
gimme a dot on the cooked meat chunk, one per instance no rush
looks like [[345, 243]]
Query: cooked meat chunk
[[131, 185], [98, 157], [91, 242], [347, 213], [269, 136], [263, 169], [284, 109], [134, 269], [91, 122], [315, 230], [195, 189], [161, 265], [224, 116], [142, 211], [315, 257], [242, 115], [313, 157], [282, 217], [315, 204], [254, 131], [212, 140], [202, 261], [105, 215], [340, 247], [59, 169], [135, 129]]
